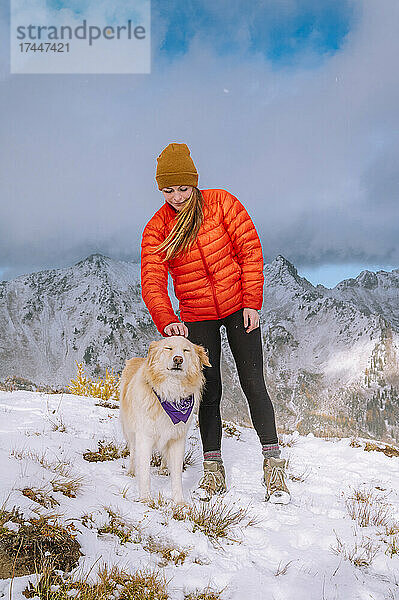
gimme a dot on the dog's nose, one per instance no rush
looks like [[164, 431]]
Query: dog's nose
[[178, 360]]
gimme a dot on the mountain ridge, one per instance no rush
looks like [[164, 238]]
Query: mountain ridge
[[330, 354]]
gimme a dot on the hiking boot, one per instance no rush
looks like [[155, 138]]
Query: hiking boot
[[212, 482], [273, 479]]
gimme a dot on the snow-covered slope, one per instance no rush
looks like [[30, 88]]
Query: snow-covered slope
[[331, 355], [375, 292], [330, 360], [288, 554], [91, 311]]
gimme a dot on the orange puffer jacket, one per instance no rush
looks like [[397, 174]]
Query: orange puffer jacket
[[221, 273]]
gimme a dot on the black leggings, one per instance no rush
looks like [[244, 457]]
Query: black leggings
[[247, 352]]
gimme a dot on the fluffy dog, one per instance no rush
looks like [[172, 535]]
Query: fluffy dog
[[158, 397]]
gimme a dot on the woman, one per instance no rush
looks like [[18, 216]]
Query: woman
[[208, 242]]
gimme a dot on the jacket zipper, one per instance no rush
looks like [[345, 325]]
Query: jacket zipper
[[210, 279]]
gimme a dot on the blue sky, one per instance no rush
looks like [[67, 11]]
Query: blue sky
[[330, 275], [290, 105], [280, 30]]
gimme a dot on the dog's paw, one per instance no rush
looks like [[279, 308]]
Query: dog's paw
[[180, 502], [177, 498]]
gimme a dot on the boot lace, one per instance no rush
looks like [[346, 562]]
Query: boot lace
[[211, 480], [277, 478]]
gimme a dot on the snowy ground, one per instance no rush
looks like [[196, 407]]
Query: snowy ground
[[300, 534]]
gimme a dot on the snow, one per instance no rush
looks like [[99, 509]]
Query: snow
[[299, 534]]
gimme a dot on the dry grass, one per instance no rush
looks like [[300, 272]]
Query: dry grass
[[106, 404], [58, 424], [64, 482], [40, 495], [128, 532], [112, 582], [299, 476], [354, 443], [282, 570], [156, 459], [392, 546], [215, 519], [31, 540], [167, 507], [330, 427], [390, 536], [230, 429], [123, 529], [88, 520], [288, 440], [69, 486], [59, 466], [392, 528], [166, 550], [207, 594], [125, 491], [15, 515], [361, 554], [106, 451], [189, 460], [387, 449], [63, 468], [368, 507], [18, 454], [296, 475]]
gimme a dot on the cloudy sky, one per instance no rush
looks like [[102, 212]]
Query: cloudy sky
[[292, 106]]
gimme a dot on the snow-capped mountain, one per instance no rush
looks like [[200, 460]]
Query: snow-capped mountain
[[331, 355], [90, 312]]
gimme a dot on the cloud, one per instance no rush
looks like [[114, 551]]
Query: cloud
[[309, 148]]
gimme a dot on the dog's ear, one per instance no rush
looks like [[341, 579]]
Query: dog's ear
[[152, 346], [151, 350], [203, 354]]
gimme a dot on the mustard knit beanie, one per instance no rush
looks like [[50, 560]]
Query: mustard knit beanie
[[176, 167]]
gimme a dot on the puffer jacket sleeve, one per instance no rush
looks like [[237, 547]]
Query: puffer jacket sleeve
[[248, 249], [154, 280]]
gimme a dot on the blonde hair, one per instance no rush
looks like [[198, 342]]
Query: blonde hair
[[185, 230]]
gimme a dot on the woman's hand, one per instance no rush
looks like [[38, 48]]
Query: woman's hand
[[251, 319], [176, 329]]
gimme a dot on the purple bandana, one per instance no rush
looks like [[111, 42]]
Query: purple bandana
[[177, 414]]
